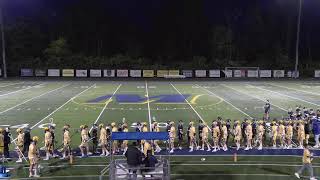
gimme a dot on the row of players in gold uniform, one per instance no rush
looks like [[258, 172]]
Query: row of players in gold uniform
[[282, 132]]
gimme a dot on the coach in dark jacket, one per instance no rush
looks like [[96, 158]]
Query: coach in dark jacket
[[27, 140], [6, 142], [134, 159]]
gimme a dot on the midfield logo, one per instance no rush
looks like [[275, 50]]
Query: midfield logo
[[138, 99]]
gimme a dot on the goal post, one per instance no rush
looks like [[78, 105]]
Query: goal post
[[241, 72]]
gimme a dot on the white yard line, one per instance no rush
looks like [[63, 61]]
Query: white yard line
[[33, 99], [62, 106], [253, 97], [295, 89], [21, 89], [148, 103], [191, 106], [105, 106], [249, 164], [284, 95], [11, 84], [226, 102]]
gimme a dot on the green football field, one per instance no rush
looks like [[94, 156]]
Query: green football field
[[32, 103]]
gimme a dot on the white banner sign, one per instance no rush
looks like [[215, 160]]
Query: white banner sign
[[265, 73], [317, 73], [95, 73], [108, 73], [122, 73], [201, 73], [214, 73], [81, 73], [135, 73], [227, 73], [236, 73], [253, 73], [278, 73], [54, 72]]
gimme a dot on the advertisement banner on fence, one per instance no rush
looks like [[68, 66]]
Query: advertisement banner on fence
[[68, 72], [95, 73], [317, 73], [135, 73], [227, 73], [292, 74], [26, 72], [253, 73], [201, 73], [265, 73], [174, 72], [122, 73], [109, 73], [278, 73], [214, 73], [187, 73], [81, 73], [40, 72], [148, 73], [237, 73], [162, 73], [54, 72]]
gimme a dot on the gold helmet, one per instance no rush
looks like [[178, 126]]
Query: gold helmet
[[280, 122], [66, 127], [191, 123], [223, 122], [46, 129], [144, 124], [81, 126], [237, 122], [124, 125], [274, 122], [113, 124], [85, 126], [261, 122], [35, 138], [249, 122], [101, 125], [19, 130], [171, 122], [1, 130]]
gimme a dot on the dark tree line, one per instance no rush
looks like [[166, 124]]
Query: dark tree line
[[162, 34]]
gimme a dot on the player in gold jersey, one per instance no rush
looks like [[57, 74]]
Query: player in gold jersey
[[215, 136], [248, 132], [260, 133], [192, 136], [172, 135], [274, 132], [289, 134], [224, 136], [205, 137], [33, 155], [237, 134], [301, 133], [281, 134]]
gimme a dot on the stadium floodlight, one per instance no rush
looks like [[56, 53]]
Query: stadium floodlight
[[298, 39], [3, 42]]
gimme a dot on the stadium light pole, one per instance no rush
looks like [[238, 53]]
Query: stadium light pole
[[3, 42], [298, 39]]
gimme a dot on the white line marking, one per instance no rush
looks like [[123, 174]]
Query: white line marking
[[61, 106], [269, 175], [226, 164], [21, 90], [295, 89], [253, 97], [10, 84], [105, 106], [148, 103], [33, 99], [226, 101], [285, 95], [191, 106]]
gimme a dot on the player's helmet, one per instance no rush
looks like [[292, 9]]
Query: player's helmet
[[46, 129], [1, 130], [101, 125], [113, 124], [19, 130], [35, 138]]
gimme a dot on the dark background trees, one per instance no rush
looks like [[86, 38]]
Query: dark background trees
[[159, 33]]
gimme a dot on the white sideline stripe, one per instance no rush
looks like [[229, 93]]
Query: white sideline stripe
[[295, 89], [105, 106], [253, 97], [269, 175], [190, 106], [226, 101], [11, 84], [21, 89], [33, 98], [62, 106], [284, 95], [225, 164], [58, 177], [149, 113]]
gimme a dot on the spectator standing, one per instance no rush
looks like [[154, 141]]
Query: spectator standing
[[7, 142], [316, 130], [134, 159]]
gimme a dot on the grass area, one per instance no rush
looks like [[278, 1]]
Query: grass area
[[33, 103]]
